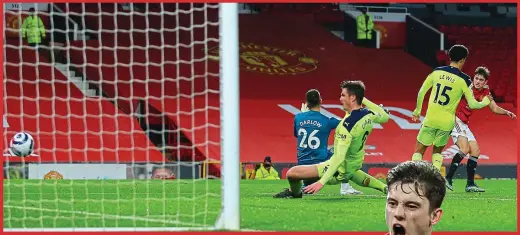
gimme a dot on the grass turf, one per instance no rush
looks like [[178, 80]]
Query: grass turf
[[187, 203]]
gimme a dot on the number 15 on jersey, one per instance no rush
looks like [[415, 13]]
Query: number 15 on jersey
[[442, 94]]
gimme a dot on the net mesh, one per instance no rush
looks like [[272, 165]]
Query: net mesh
[[122, 102]]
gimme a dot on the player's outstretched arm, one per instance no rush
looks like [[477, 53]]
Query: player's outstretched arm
[[381, 115], [472, 102], [343, 139], [426, 86], [499, 110]]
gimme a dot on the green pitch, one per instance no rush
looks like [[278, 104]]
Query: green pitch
[[97, 204]]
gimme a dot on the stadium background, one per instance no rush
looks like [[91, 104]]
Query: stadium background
[[150, 112]]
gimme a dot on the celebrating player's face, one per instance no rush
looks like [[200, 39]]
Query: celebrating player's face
[[479, 81], [409, 213]]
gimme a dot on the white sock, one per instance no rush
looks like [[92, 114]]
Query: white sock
[[345, 186]]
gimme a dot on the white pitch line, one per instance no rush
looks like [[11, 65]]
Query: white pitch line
[[110, 229], [101, 215]]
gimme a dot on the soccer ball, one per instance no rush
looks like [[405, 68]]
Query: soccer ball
[[22, 144]]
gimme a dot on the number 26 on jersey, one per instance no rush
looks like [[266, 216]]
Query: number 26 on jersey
[[309, 141]]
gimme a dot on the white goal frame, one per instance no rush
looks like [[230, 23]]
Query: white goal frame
[[229, 217]]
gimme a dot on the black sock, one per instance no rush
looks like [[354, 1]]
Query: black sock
[[308, 182], [455, 164], [472, 166]]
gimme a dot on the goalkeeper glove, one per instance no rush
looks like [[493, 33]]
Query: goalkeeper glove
[[304, 108]]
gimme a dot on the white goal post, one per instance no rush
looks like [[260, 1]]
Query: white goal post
[[79, 99], [230, 116]]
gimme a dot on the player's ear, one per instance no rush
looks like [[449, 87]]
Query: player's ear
[[435, 216]]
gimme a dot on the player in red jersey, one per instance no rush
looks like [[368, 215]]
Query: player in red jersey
[[462, 135]]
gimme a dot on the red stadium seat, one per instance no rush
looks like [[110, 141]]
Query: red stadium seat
[[454, 28], [487, 30], [443, 28], [477, 29], [493, 47], [465, 30], [442, 58], [59, 98]]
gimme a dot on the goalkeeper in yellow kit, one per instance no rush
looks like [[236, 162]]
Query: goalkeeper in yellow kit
[[349, 147], [449, 84]]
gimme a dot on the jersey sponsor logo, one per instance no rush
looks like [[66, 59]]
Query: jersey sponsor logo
[[341, 136], [346, 124], [271, 60]]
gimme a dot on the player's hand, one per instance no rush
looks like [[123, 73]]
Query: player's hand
[[304, 108], [416, 116], [511, 115], [490, 97], [313, 188]]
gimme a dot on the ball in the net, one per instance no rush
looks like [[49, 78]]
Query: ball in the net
[[22, 144]]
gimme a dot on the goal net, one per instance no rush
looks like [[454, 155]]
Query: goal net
[[129, 106]]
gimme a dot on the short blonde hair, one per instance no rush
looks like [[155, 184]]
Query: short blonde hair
[[483, 71]]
